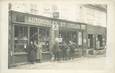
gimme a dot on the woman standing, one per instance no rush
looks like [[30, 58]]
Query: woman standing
[[39, 51], [32, 53]]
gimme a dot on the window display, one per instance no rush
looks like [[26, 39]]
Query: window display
[[69, 36], [20, 38]]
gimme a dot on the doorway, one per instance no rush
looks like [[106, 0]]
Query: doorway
[[33, 34]]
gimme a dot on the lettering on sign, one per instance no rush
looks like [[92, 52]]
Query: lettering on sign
[[69, 25], [35, 20]]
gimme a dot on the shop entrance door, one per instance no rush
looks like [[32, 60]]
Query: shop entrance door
[[34, 34], [40, 35], [91, 44]]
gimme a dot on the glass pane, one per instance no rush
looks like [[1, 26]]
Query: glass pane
[[99, 41], [44, 38], [20, 38]]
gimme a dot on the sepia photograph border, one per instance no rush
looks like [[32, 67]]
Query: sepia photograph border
[[110, 61]]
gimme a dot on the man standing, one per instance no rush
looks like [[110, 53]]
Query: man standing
[[55, 51]]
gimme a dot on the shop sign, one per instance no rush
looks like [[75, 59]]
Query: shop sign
[[55, 27], [69, 25], [38, 21], [76, 26], [62, 24]]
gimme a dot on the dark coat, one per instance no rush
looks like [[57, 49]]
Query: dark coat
[[55, 48], [56, 51], [64, 48], [72, 49], [32, 50]]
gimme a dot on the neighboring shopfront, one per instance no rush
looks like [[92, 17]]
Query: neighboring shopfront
[[96, 40], [24, 27], [72, 32]]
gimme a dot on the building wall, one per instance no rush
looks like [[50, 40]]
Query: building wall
[[95, 31], [41, 21], [93, 16], [68, 11]]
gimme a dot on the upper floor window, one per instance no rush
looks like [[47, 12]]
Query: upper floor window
[[20, 18]]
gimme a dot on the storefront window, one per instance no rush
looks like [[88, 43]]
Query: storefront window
[[69, 36], [99, 41], [20, 38]]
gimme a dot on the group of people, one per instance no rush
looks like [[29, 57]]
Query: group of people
[[34, 52], [64, 51], [60, 51]]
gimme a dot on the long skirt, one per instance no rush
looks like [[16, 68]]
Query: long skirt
[[32, 56]]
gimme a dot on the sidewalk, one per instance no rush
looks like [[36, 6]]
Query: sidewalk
[[78, 63]]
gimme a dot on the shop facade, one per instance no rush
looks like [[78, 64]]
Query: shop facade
[[96, 40], [22, 30], [24, 27]]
